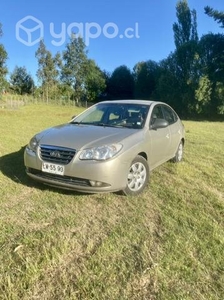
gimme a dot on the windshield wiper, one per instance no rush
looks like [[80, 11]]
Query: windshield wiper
[[102, 124], [81, 123], [97, 124], [108, 125]]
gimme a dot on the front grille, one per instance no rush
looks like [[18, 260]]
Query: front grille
[[58, 178], [55, 154]]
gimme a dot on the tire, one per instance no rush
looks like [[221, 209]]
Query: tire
[[137, 177], [179, 154]]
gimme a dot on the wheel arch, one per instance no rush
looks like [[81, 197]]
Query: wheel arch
[[144, 155]]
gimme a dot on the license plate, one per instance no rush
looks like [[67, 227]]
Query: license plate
[[53, 168]]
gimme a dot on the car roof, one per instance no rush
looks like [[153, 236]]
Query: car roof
[[130, 101]]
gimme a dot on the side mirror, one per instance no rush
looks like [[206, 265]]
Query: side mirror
[[159, 123]]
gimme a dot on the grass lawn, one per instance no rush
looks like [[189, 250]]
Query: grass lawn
[[167, 243]]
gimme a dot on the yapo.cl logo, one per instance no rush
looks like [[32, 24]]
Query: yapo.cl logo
[[29, 30]]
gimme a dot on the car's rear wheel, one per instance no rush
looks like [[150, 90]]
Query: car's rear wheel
[[179, 154], [137, 177]]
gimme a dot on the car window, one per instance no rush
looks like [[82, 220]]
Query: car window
[[125, 115], [117, 115], [157, 113], [94, 116], [169, 114]]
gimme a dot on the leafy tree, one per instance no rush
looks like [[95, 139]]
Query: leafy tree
[[212, 61], [74, 66], [194, 26], [212, 56], [145, 75], [48, 71], [121, 84], [185, 29], [187, 59], [219, 94], [65, 91], [3, 68], [94, 81], [105, 93], [212, 66], [169, 85], [216, 15], [203, 95], [186, 56], [21, 81]]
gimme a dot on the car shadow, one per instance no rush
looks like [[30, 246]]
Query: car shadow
[[12, 166]]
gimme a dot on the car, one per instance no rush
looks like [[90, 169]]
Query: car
[[110, 147]]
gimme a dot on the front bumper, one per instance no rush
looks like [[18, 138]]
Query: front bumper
[[82, 175]]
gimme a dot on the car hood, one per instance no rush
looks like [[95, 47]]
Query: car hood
[[83, 136]]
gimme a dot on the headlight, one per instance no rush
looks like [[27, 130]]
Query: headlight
[[33, 144], [100, 153]]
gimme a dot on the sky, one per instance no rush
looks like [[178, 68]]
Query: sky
[[116, 32]]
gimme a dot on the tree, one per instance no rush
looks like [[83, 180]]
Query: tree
[[105, 94], [216, 15], [94, 81], [21, 81], [219, 93], [121, 84], [169, 85], [194, 26], [212, 56], [212, 65], [203, 95], [47, 72], [145, 75], [3, 68], [74, 66], [185, 29], [212, 61], [186, 56]]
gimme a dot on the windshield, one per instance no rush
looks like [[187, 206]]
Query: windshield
[[114, 115]]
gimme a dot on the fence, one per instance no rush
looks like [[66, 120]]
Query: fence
[[16, 101]]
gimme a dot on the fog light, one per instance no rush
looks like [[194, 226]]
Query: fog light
[[96, 183]]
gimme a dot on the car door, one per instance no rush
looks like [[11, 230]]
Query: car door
[[174, 127], [159, 139]]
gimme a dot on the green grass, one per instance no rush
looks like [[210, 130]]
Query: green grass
[[167, 243]]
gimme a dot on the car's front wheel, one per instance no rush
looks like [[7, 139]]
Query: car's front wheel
[[179, 154], [137, 177]]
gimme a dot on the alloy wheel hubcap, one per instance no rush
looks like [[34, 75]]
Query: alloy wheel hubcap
[[137, 176], [180, 152]]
